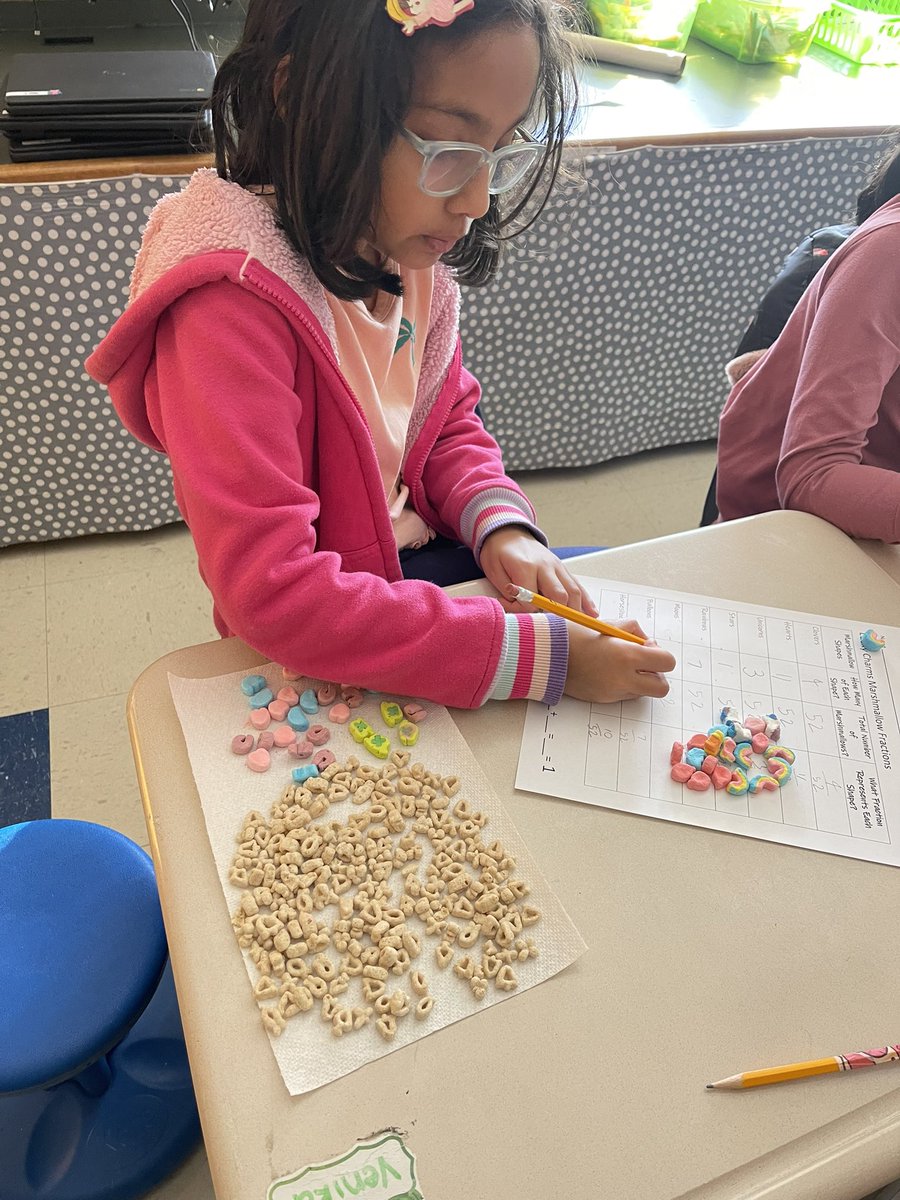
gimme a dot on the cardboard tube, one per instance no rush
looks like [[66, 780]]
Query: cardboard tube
[[626, 54]]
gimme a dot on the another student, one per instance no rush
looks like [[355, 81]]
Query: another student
[[814, 424], [292, 345]]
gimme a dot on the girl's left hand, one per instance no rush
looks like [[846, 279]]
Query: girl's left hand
[[513, 556]]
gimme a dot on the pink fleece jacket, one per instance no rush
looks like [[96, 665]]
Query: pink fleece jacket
[[814, 425], [224, 361]]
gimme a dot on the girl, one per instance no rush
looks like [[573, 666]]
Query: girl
[[291, 343], [813, 423]]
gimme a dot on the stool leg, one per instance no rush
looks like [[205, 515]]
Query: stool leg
[[95, 1079]]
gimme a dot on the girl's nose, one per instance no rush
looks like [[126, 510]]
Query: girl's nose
[[473, 200]]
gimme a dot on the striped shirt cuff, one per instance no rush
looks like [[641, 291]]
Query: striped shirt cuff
[[491, 510], [534, 659]]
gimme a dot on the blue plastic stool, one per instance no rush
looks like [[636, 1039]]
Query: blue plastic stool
[[96, 1100]]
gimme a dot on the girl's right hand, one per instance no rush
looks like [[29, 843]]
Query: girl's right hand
[[607, 669]]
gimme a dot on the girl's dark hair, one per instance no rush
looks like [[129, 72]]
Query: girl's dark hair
[[882, 185], [343, 93]]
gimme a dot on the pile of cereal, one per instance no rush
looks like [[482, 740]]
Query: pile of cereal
[[337, 910]]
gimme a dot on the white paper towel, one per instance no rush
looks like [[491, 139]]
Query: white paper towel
[[211, 712]]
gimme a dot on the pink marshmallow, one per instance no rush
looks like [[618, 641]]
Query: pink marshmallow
[[709, 764], [266, 740], [242, 744], [278, 709], [260, 718], [699, 782], [759, 743], [681, 772], [289, 695], [259, 760], [676, 754], [339, 714], [284, 736]]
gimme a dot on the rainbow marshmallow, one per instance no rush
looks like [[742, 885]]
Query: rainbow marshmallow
[[871, 641]]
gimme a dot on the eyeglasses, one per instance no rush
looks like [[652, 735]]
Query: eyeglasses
[[448, 166]]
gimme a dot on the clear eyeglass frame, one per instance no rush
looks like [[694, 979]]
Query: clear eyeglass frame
[[448, 166]]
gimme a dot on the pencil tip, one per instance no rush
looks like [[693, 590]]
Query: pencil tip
[[709, 1086]]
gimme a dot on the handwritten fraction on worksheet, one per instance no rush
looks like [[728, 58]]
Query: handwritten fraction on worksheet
[[834, 700]]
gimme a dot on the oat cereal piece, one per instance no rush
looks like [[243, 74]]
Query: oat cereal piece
[[444, 955], [273, 1021], [387, 1026], [506, 980], [342, 1022], [424, 1007]]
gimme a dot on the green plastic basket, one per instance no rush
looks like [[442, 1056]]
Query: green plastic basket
[[866, 33]]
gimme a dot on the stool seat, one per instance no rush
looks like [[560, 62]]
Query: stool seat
[[96, 1101], [82, 947]]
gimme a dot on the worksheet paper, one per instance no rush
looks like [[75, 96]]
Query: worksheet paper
[[835, 701]]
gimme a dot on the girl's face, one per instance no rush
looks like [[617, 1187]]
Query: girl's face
[[478, 92]]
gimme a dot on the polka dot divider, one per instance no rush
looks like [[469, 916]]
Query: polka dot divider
[[604, 334]]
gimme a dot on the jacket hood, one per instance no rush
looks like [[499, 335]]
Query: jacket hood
[[210, 231], [215, 230]]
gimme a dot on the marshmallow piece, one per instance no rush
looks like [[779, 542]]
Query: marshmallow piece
[[259, 760], [699, 782], [266, 740], [676, 754], [408, 733], [327, 694], [741, 733], [301, 749], [289, 695], [260, 718], [713, 743], [290, 675], [251, 684], [352, 696], [721, 777], [681, 772], [297, 719], [773, 728], [339, 714], [759, 743], [378, 745], [360, 730], [780, 770], [308, 702], [871, 641], [242, 744], [697, 741], [301, 774], [415, 712], [323, 759], [763, 783], [739, 782], [709, 764], [284, 737], [782, 752], [695, 757], [261, 699], [727, 752], [278, 709], [391, 713], [318, 735], [755, 724], [743, 755]]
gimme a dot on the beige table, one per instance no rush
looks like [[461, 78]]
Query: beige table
[[708, 954]]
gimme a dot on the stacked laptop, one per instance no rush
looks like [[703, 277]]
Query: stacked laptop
[[107, 104]]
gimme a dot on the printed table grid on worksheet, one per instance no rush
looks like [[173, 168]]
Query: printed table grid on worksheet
[[834, 702]]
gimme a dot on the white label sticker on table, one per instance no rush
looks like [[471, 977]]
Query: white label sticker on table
[[378, 1170]]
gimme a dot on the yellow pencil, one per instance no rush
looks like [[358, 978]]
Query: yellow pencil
[[524, 596], [816, 1066]]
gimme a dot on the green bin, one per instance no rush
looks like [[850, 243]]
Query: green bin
[[758, 31], [663, 23]]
